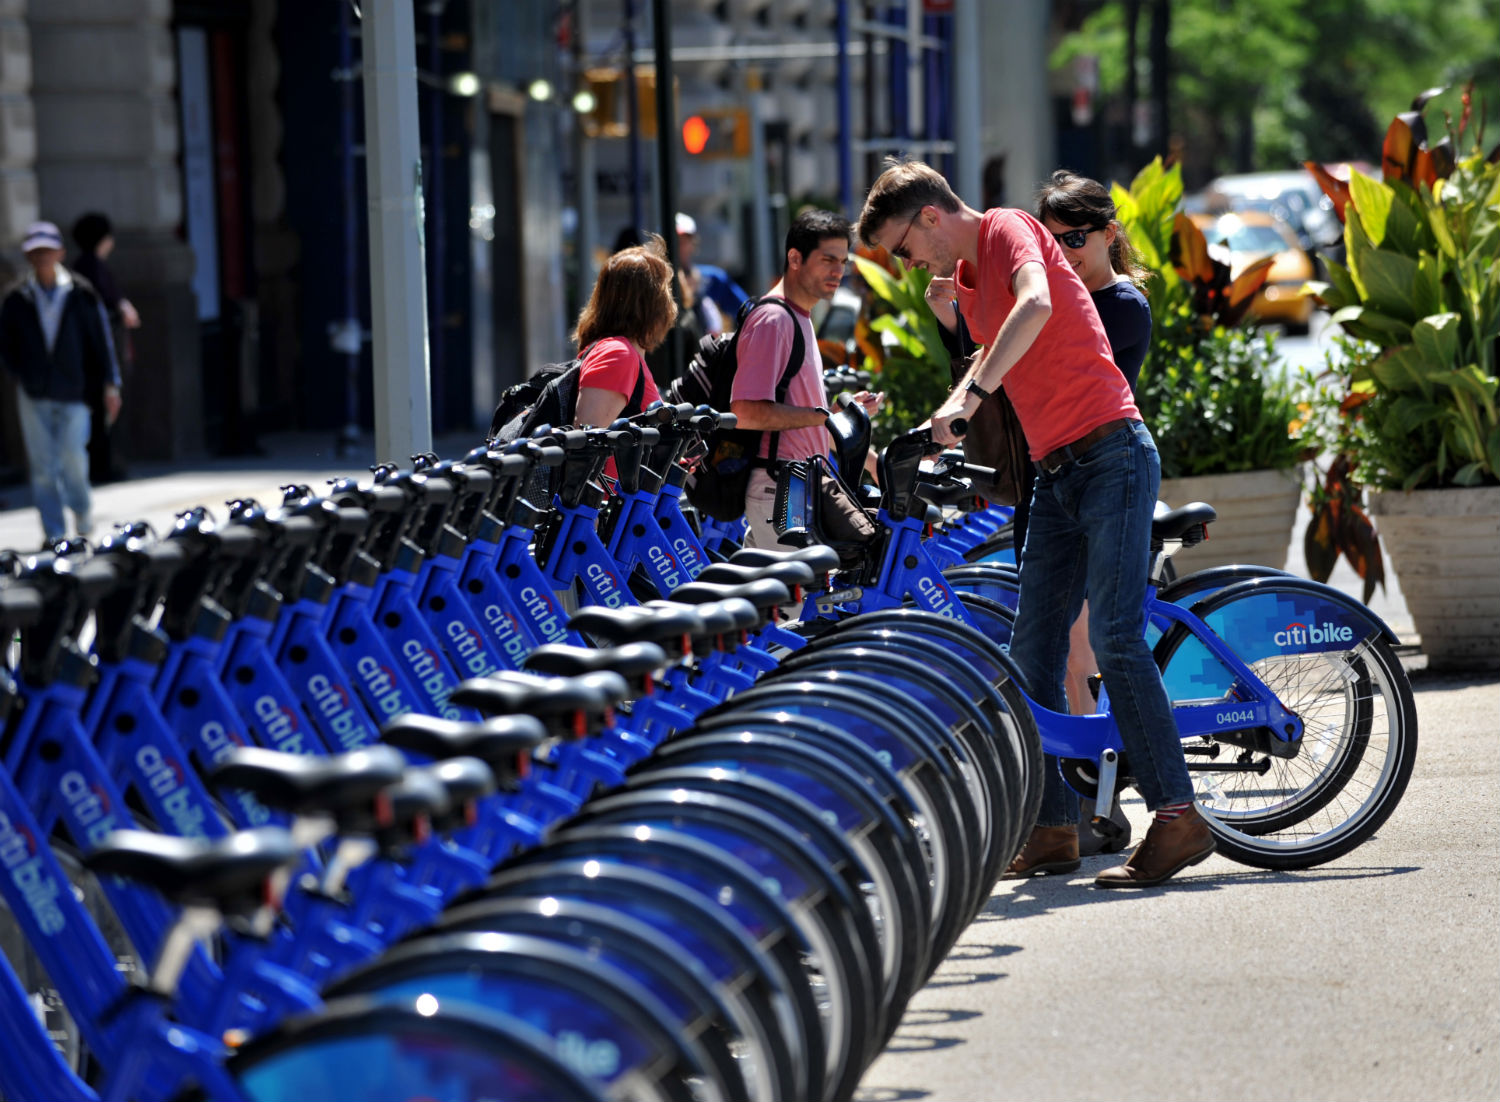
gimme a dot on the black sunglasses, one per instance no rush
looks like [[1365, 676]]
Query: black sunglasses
[[899, 252], [1074, 239]]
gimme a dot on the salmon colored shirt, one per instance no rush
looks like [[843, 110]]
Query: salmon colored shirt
[[1066, 384]]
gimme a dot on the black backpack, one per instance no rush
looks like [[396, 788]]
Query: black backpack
[[550, 397], [719, 484]]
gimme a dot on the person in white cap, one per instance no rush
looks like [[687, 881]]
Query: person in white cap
[[55, 341], [709, 282]]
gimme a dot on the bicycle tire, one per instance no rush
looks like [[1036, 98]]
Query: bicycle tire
[[825, 908], [364, 1050], [694, 924], [930, 804], [986, 654], [1359, 739], [989, 765], [861, 867]]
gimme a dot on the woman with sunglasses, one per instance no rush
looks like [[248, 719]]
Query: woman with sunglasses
[[1080, 215]]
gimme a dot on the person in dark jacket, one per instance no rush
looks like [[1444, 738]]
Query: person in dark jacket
[[95, 237], [55, 341]]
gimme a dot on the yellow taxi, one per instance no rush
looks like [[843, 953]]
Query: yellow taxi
[[1249, 235]]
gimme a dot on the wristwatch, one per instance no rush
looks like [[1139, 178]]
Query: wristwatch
[[974, 388]]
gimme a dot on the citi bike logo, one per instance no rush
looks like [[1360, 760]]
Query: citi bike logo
[[380, 683], [543, 613], [666, 567], [1301, 635], [468, 650], [92, 814], [280, 725], [164, 777], [507, 633], [686, 555], [216, 743], [429, 675], [22, 864], [606, 588], [339, 716], [936, 599]]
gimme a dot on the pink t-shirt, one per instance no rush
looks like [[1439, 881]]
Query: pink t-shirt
[[765, 345], [1066, 384]]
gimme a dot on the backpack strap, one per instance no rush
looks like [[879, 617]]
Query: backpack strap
[[793, 364], [637, 392]]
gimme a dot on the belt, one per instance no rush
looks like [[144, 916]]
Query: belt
[[1053, 460]]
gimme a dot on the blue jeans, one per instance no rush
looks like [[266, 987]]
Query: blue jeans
[[1090, 532], [57, 453]]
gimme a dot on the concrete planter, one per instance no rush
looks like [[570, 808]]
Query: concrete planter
[[1444, 546], [1256, 512]]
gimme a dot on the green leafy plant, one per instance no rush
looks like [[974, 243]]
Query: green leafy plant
[[910, 363], [1210, 389], [1422, 287], [1411, 394], [1218, 402]]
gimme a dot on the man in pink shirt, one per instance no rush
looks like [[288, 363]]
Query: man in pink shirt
[[817, 252], [1090, 524]]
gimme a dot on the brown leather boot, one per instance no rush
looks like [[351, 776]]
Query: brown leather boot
[[1167, 849], [1049, 849]]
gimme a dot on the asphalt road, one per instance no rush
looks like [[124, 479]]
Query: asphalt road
[[1373, 977]]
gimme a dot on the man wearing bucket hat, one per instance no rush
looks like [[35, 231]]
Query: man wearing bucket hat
[[55, 341]]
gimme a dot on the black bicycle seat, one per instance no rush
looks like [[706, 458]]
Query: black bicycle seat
[[227, 873], [665, 625], [499, 742], [823, 560], [634, 661], [1173, 524], [465, 781], [791, 574], [765, 594], [305, 783], [563, 704]]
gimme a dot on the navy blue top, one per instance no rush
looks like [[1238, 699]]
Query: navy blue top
[[1127, 322]]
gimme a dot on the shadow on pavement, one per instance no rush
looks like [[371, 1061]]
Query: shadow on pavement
[[1050, 893]]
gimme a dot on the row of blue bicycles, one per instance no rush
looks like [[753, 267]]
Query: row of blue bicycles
[[492, 778]]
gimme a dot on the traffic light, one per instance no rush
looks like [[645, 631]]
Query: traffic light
[[719, 133], [608, 118]]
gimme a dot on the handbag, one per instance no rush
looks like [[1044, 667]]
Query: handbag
[[995, 440]]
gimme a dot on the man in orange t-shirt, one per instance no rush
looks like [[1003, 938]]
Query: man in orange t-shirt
[[1090, 524]]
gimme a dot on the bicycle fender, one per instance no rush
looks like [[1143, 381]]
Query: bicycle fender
[[1303, 586]]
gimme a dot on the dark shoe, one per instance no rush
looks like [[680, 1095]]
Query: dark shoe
[[1167, 849], [1049, 849], [1110, 835]]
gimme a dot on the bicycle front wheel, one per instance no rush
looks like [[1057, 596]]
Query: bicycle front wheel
[[1326, 661]]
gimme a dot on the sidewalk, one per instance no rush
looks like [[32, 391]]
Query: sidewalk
[[157, 492]]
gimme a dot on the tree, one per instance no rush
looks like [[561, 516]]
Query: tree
[[1260, 84]]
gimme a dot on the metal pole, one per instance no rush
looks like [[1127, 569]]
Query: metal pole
[[666, 160], [436, 255], [967, 154], [846, 114], [393, 168], [763, 273], [347, 334], [587, 196], [633, 122]]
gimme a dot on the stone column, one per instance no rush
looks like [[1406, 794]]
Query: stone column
[[107, 140], [17, 191]]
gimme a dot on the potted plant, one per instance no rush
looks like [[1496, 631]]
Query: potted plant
[[1414, 397], [1228, 421]]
